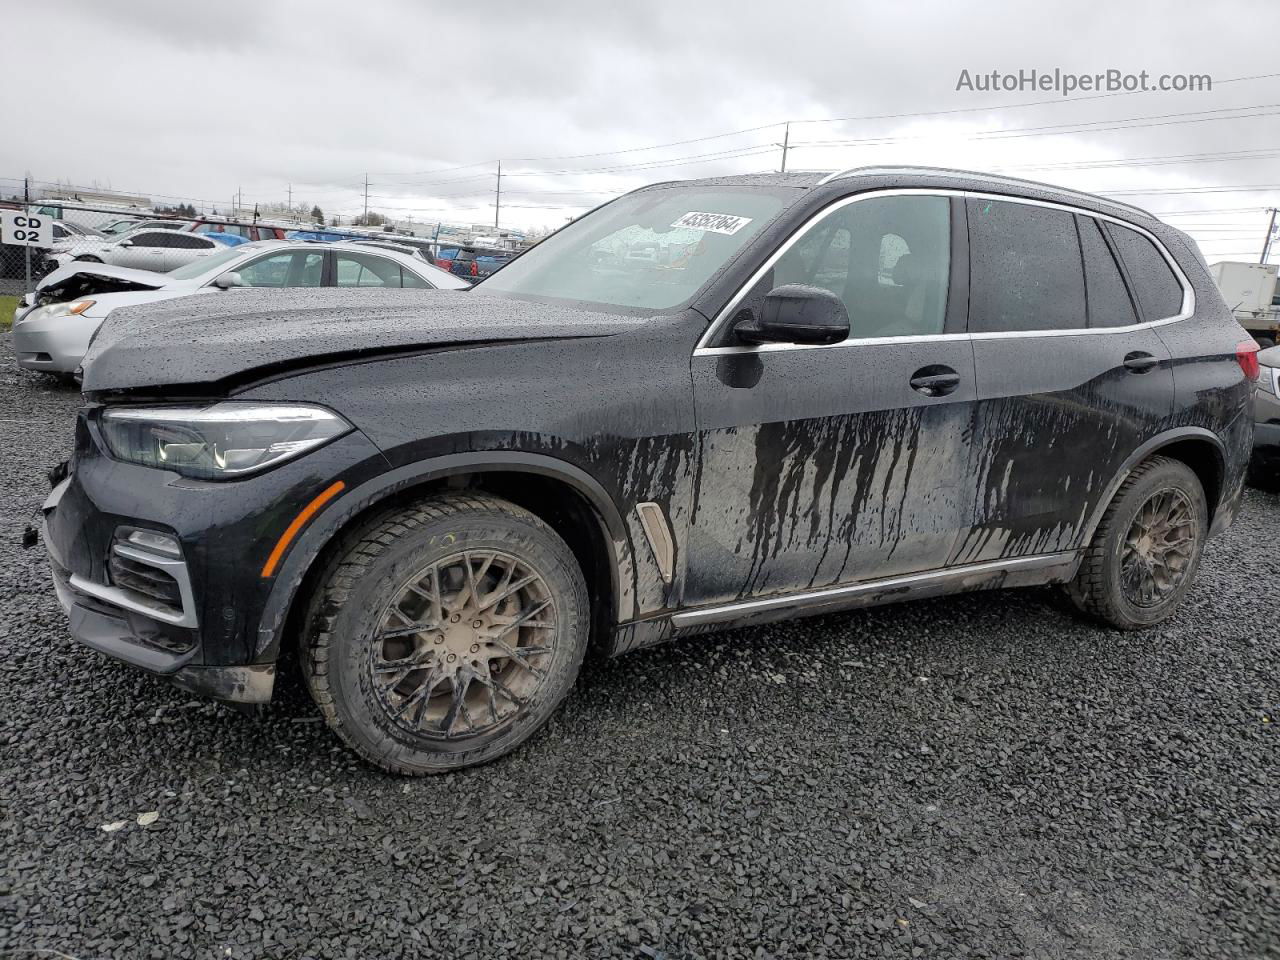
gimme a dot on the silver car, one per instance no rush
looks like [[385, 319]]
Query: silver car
[[52, 327], [161, 249]]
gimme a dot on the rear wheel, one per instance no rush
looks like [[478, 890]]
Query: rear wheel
[[446, 634], [1147, 548], [1264, 342], [89, 258]]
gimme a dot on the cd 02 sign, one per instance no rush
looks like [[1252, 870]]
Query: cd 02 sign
[[25, 229]]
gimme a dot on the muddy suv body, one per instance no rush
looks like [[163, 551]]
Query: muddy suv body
[[822, 392]]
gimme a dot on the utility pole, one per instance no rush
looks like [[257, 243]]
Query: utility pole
[[1271, 229], [497, 198], [366, 199], [291, 198], [786, 140]]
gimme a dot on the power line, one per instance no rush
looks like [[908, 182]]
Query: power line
[[782, 123]]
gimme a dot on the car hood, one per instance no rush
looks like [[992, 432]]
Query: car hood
[[90, 278], [240, 333]]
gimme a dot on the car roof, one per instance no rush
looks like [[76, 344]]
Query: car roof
[[928, 176]]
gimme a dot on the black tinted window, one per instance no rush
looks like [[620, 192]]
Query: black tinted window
[[1157, 289], [158, 239], [188, 241], [1025, 271], [1109, 303]]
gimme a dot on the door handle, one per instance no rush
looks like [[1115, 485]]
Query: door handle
[[1140, 362], [935, 380]]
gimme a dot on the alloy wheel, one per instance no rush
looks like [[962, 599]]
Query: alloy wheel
[[1158, 548], [464, 645]]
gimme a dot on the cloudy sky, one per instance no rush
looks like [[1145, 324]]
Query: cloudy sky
[[583, 100]]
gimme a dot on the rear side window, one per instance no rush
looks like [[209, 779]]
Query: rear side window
[[1025, 270], [158, 239], [1154, 283], [188, 241], [359, 270], [1109, 303]]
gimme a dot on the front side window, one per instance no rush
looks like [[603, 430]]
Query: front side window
[[361, 270], [887, 258], [1154, 284], [298, 268], [1025, 268], [650, 250]]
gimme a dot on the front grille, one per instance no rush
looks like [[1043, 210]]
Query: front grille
[[150, 582]]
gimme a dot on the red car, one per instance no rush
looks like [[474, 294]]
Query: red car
[[257, 231]]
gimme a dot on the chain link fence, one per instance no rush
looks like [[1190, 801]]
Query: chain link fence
[[145, 240]]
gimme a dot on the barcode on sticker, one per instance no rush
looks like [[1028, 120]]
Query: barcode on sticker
[[712, 222]]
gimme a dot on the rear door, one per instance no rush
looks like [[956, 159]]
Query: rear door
[[834, 464], [182, 248], [1070, 380]]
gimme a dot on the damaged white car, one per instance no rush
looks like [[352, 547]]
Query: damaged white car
[[52, 326]]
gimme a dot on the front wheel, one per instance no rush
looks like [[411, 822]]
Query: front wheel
[[1147, 548], [446, 634], [88, 258]]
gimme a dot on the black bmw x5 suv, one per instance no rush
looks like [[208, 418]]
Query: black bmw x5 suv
[[807, 393]]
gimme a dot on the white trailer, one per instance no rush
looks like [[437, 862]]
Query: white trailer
[[1250, 292]]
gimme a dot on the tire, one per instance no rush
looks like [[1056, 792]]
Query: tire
[[410, 721], [1264, 342], [1100, 588], [89, 258]]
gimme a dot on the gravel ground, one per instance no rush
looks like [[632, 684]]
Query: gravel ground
[[983, 776]]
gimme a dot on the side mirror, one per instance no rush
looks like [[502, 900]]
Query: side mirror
[[228, 280], [797, 313], [126, 243]]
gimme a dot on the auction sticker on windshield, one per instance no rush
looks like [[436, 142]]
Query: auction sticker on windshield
[[712, 222]]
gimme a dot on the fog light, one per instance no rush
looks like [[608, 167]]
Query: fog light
[[155, 542]]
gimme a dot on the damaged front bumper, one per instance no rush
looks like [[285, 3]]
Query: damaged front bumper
[[148, 618]]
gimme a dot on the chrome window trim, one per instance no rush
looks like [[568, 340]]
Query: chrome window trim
[[722, 318]]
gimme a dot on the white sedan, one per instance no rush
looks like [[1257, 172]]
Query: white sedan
[[52, 327], [159, 250]]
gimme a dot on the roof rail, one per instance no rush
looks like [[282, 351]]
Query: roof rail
[[995, 177]]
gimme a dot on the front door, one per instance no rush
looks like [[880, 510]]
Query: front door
[[827, 465]]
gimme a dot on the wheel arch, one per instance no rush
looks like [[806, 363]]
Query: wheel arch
[[1200, 449], [569, 500]]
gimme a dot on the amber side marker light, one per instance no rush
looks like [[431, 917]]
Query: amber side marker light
[[298, 523]]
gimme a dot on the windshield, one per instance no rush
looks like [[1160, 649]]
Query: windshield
[[211, 263], [649, 250]]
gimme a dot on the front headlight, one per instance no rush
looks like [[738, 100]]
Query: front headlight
[[53, 310], [218, 442]]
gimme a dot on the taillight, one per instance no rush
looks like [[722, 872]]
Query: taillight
[[475, 272], [1247, 357]]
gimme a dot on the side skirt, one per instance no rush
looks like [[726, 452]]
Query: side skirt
[[989, 575]]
